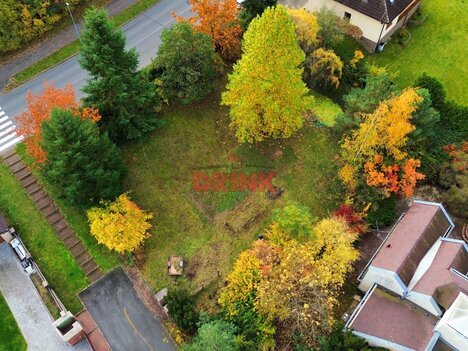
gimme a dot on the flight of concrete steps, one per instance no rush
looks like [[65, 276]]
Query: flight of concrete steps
[[52, 214]]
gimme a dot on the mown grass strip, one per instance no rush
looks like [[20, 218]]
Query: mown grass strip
[[54, 259]]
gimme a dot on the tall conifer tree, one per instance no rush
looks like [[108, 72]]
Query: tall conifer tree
[[124, 96]]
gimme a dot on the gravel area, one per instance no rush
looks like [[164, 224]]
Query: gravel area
[[27, 307]]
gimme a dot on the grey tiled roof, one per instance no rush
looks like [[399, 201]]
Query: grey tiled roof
[[384, 11]]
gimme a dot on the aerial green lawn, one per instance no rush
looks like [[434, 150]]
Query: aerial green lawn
[[192, 224], [54, 259], [10, 335], [437, 47]]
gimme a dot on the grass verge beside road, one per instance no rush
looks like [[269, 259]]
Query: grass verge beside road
[[70, 49], [54, 259], [10, 335]]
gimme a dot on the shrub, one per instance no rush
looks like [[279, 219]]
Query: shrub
[[294, 220], [383, 213], [216, 335], [435, 88], [120, 225], [340, 340], [181, 306]]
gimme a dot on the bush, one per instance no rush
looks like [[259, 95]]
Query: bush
[[120, 225], [294, 220], [435, 88], [382, 213], [181, 306], [340, 340], [216, 335]]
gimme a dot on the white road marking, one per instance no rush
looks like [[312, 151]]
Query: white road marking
[[8, 134]]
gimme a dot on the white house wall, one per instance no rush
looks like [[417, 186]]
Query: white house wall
[[371, 28], [378, 342], [383, 277], [424, 301]]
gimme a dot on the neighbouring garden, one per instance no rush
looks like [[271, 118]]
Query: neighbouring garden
[[10, 335], [437, 47], [210, 116]]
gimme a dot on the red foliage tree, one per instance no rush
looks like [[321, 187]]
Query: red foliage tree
[[353, 218]]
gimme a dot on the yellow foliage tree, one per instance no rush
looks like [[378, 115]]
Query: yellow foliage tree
[[120, 225], [307, 28], [265, 93], [384, 134], [294, 284]]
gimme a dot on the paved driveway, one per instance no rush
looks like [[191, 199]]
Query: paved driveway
[[122, 317], [23, 299]]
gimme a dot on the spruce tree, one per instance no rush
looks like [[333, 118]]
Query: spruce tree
[[124, 96], [84, 165]]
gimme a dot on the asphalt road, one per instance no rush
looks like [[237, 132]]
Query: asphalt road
[[143, 33], [122, 317]]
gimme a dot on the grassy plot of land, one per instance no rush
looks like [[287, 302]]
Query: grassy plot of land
[[10, 335], [54, 259], [72, 48], [437, 47], [77, 220], [193, 224]]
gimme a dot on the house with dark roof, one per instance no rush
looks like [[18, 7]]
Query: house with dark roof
[[416, 286], [378, 19]]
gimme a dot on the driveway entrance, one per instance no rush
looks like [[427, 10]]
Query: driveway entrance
[[122, 317]]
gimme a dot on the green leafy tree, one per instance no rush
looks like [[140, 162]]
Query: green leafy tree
[[84, 165], [10, 25], [124, 96], [377, 88], [252, 9], [185, 64], [181, 306], [340, 340], [333, 29], [265, 93], [216, 335], [295, 220]]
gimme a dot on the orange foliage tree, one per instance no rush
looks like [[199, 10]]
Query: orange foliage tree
[[39, 109], [392, 179], [383, 135], [218, 19]]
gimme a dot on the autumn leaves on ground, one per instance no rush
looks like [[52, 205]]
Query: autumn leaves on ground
[[263, 269]]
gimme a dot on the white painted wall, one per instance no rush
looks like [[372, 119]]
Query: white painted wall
[[378, 342], [383, 277], [370, 27], [424, 301]]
